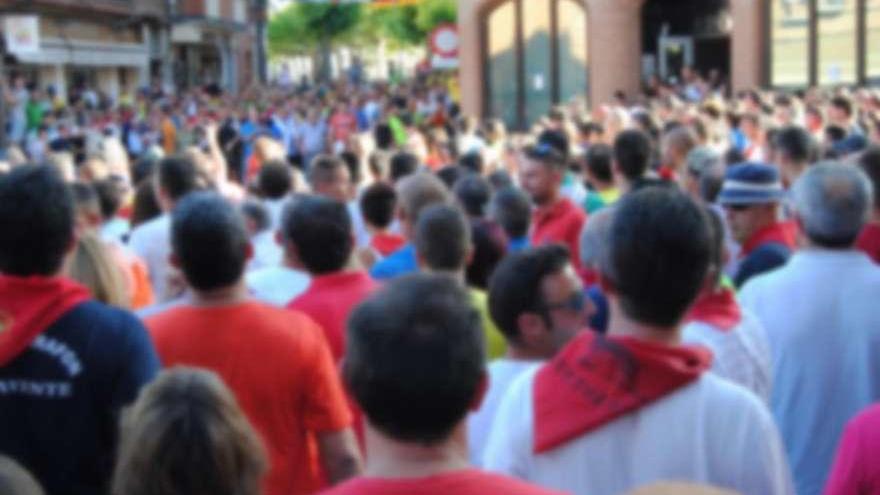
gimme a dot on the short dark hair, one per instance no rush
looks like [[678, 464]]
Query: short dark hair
[[275, 179], [110, 195], [796, 143], [632, 152], [869, 162], [36, 218], [320, 228], [85, 197], [659, 250], [557, 140], [403, 163], [835, 133], [146, 206], [472, 162], [177, 176], [512, 209], [515, 287], [843, 103], [256, 212], [377, 204], [383, 136], [323, 167], [451, 174], [442, 237], [415, 357], [546, 155], [210, 240], [473, 193], [353, 162], [599, 162], [490, 246]]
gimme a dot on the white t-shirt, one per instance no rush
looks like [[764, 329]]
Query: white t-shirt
[[277, 285], [741, 355], [152, 242], [275, 208], [358, 225], [502, 372], [267, 252], [711, 431]]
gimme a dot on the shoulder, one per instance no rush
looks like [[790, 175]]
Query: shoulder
[[94, 316], [730, 405], [497, 483]]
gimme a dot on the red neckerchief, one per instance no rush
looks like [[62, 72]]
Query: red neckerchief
[[784, 233], [596, 380], [29, 305], [717, 308]]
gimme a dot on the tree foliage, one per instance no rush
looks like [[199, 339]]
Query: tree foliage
[[300, 27]]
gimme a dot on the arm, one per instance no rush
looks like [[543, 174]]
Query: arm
[[340, 456]]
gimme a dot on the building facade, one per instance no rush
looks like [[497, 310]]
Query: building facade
[[519, 57]]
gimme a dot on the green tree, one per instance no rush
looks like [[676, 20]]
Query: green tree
[[432, 13], [410, 25]]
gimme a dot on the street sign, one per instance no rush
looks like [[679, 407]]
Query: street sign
[[443, 43], [22, 33]]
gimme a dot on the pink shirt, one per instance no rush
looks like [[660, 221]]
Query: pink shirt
[[856, 468]]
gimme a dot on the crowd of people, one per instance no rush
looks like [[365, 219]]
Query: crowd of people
[[356, 289]]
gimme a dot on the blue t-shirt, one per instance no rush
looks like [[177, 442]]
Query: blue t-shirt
[[518, 244], [60, 399], [400, 262]]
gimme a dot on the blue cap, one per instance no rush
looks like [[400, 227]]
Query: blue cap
[[751, 183]]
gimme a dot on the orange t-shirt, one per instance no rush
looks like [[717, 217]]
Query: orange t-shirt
[[278, 365]]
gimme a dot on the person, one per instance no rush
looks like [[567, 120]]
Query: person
[[840, 113], [677, 143], [65, 359], [825, 347], [258, 222], [598, 160], [700, 161], [162, 453], [751, 196], [716, 321], [402, 164], [16, 480], [632, 159], [276, 361], [855, 467], [317, 239], [623, 392], [510, 208], [328, 176], [93, 266], [869, 239], [793, 149], [377, 205], [111, 194], [275, 183], [174, 179], [594, 240], [416, 387], [443, 245], [415, 193], [753, 127], [538, 302], [555, 219]]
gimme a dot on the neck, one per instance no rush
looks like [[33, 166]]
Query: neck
[[224, 296], [550, 201], [620, 325], [519, 353], [458, 275], [391, 458]]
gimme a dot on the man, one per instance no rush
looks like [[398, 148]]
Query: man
[[68, 364], [632, 159], [716, 321], [608, 414], [598, 173], [415, 193], [175, 178], [510, 208], [555, 219], [275, 182], [317, 239], [416, 366], [330, 177], [276, 361], [677, 143], [537, 299], [753, 128], [840, 113], [820, 311], [751, 197], [699, 160], [793, 150], [443, 245], [869, 239]]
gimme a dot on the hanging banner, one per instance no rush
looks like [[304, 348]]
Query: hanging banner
[[22, 33]]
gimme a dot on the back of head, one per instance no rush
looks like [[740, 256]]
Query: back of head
[[515, 286], [146, 205], [869, 162], [795, 144], [377, 204], [210, 240], [403, 164], [383, 136], [415, 358], [320, 229], [473, 193], [37, 221], [275, 180], [594, 237], [833, 202], [489, 247], [472, 162], [598, 161], [110, 196], [443, 238], [658, 255], [632, 153], [177, 177], [353, 163], [94, 267], [557, 140], [451, 174], [186, 434], [418, 192], [86, 199], [323, 170], [16, 480], [512, 209], [256, 216]]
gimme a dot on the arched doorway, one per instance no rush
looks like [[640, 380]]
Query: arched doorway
[[534, 56], [679, 33]]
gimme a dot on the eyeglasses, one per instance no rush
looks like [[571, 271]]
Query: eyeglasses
[[577, 302]]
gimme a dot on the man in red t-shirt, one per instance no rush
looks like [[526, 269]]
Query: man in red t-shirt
[[416, 366], [276, 361], [343, 123], [555, 218]]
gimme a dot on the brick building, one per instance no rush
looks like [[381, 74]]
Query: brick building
[[519, 57]]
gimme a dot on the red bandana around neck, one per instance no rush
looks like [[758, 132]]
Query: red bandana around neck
[[596, 380], [718, 308], [784, 233], [29, 305]]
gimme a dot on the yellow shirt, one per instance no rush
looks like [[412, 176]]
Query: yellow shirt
[[496, 346]]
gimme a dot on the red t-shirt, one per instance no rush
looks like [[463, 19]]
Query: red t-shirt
[[342, 125], [856, 468], [386, 244], [869, 241], [330, 299], [560, 223], [278, 365], [466, 482]]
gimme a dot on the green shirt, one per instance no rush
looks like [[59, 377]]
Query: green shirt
[[496, 346]]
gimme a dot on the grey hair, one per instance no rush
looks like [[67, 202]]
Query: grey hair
[[833, 201], [594, 237]]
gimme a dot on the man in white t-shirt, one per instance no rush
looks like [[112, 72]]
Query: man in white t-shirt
[[175, 177], [611, 413], [537, 301]]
